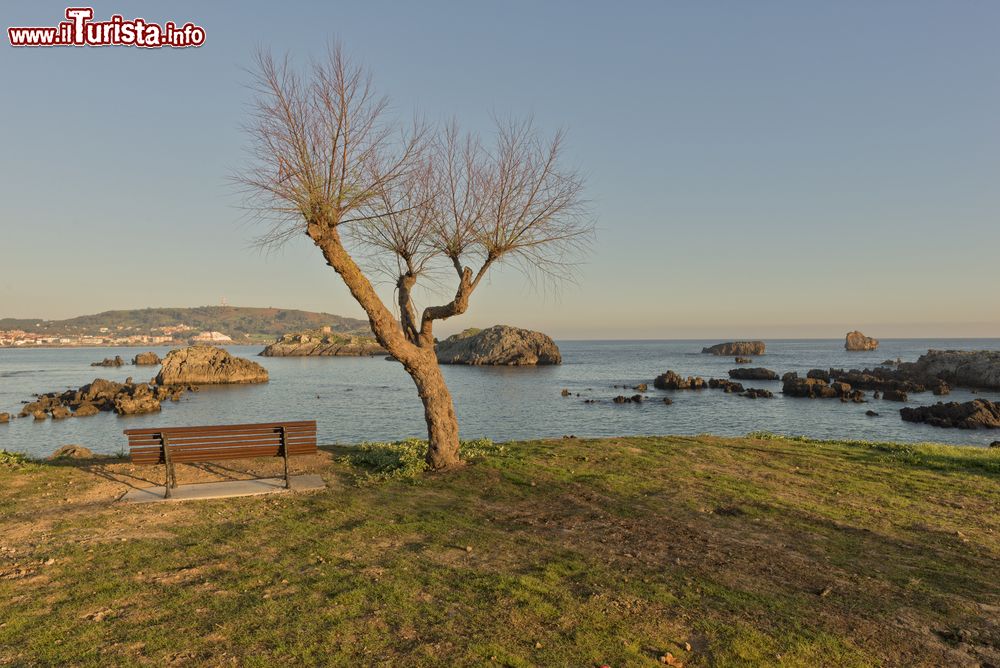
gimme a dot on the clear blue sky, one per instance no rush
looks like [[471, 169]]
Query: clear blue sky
[[756, 168]]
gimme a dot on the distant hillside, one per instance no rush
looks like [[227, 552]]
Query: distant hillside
[[255, 324]]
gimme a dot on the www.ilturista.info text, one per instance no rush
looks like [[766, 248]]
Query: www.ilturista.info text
[[80, 30]]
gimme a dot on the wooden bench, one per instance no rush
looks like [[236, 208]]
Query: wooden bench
[[186, 445]]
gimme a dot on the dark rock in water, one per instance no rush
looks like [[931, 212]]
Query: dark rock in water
[[727, 386], [672, 381], [960, 368], [871, 413], [757, 393], [995, 444], [634, 399], [140, 399], [61, 413], [876, 395], [744, 360], [975, 414], [102, 395], [565, 392], [821, 374], [894, 395], [71, 452], [757, 373], [4, 418], [791, 375], [146, 359], [85, 410], [812, 388], [878, 379], [208, 365], [499, 345], [734, 348], [817, 388], [941, 389], [857, 341], [668, 401], [109, 361], [641, 387]]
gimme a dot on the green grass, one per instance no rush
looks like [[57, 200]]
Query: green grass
[[755, 551]]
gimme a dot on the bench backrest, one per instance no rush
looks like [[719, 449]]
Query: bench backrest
[[219, 442]]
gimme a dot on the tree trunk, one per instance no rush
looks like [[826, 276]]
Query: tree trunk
[[439, 411], [420, 362]]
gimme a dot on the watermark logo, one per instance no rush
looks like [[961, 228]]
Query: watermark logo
[[79, 29]]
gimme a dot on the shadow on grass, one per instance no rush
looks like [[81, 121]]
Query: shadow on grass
[[929, 456]]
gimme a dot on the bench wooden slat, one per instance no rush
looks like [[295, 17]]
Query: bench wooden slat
[[214, 457], [253, 438], [232, 453], [311, 440], [202, 456], [223, 427]]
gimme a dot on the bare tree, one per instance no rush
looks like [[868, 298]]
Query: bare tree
[[328, 162]]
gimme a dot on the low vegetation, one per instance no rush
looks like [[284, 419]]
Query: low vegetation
[[694, 551], [406, 459]]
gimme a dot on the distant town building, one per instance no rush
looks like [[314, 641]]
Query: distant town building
[[211, 337]]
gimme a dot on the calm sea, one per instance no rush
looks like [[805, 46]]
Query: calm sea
[[358, 399]]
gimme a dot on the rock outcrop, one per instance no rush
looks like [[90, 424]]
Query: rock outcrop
[[323, 344], [499, 345], [126, 398], [817, 388], [756, 373], [727, 386], [86, 410], [71, 452], [137, 400], [857, 341], [879, 378], [757, 393], [975, 414], [895, 395], [208, 365], [959, 368], [60, 413], [110, 361], [146, 359], [4, 418], [672, 381], [736, 348]]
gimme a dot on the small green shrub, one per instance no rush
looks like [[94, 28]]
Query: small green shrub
[[404, 460], [14, 460]]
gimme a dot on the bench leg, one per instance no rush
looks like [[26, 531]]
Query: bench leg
[[171, 474], [284, 454]]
